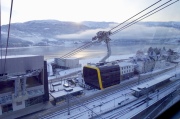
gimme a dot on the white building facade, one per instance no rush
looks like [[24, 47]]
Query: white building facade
[[126, 70]]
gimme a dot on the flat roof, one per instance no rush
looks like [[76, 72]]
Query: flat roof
[[61, 93], [125, 64], [151, 82], [18, 56]]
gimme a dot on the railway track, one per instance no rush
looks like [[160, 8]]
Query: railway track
[[118, 114], [113, 90], [54, 111]]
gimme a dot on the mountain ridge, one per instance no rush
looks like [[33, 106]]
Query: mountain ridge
[[46, 32]]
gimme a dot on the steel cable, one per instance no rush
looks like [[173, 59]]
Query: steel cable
[[125, 26], [136, 14], [78, 50], [7, 43], [144, 16]]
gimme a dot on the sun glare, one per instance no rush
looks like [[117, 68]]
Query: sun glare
[[77, 22]]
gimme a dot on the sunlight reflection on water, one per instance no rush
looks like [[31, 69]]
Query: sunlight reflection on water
[[94, 51]]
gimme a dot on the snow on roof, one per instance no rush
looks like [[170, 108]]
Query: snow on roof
[[122, 64], [67, 58], [151, 82], [64, 93], [19, 56]]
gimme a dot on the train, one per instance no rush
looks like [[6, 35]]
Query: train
[[101, 76]]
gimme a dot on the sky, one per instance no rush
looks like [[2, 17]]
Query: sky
[[84, 10]]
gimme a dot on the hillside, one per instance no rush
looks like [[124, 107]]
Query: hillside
[[54, 32]]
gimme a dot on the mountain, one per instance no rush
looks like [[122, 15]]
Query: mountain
[[45, 32], [171, 24], [92, 24], [39, 29], [54, 32]]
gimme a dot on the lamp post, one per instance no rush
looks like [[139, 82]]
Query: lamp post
[[147, 98], [68, 103], [100, 106], [114, 101], [138, 77], [92, 111], [157, 93]]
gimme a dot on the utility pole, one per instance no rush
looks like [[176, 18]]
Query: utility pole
[[68, 104], [157, 93], [138, 78], [114, 101], [147, 98]]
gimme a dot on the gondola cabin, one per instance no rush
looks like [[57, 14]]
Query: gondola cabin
[[101, 76]]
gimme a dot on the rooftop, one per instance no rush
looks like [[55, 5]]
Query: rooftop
[[19, 56]]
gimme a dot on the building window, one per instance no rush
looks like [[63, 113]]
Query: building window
[[33, 101], [7, 108], [18, 103]]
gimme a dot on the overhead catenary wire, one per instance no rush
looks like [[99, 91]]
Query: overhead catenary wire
[[7, 43], [136, 15], [145, 16]]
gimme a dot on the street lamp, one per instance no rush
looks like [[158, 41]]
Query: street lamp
[[157, 93], [100, 106], [147, 98], [92, 111], [68, 103], [114, 101], [138, 77]]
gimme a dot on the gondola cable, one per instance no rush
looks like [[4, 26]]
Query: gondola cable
[[135, 15], [76, 49], [79, 50], [134, 21], [82, 47], [126, 26], [0, 34], [7, 43]]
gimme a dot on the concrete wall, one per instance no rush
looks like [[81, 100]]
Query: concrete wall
[[18, 105], [70, 63], [0, 110], [21, 64]]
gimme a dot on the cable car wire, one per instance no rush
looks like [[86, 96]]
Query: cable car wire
[[0, 34], [127, 25], [82, 47], [76, 49], [7, 43], [136, 14], [145, 16]]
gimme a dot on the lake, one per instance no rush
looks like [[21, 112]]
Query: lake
[[94, 51]]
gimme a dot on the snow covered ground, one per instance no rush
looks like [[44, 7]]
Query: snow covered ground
[[84, 62], [109, 103]]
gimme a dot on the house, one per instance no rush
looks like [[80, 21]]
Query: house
[[126, 70]]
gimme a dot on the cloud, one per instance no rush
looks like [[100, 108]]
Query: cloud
[[147, 33], [134, 32], [88, 34]]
